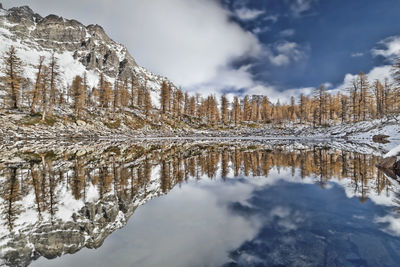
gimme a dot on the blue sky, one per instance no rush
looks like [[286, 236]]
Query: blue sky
[[334, 37], [276, 48]]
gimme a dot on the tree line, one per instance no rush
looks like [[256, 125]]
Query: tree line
[[363, 100]]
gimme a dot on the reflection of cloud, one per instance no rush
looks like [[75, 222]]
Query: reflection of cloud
[[390, 47], [393, 224], [190, 227], [288, 220]]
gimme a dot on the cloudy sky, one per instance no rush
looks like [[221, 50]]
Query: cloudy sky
[[272, 47]]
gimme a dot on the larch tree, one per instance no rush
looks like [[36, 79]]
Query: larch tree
[[54, 75], [387, 93], [343, 108], [266, 110], [36, 89], [44, 90], [192, 107], [246, 109], [134, 89], [165, 97], [224, 109], [140, 96], [124, 93], [116, 98], [186, 103], [177, 102], [320, 99], [255, 111], [292, 109], [79, 95], [378, 91], [13, 70], [302, 108], [105, 92], [363, 86], [236, 110], [147, 103]]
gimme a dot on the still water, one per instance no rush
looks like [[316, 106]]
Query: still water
[[198, 204]]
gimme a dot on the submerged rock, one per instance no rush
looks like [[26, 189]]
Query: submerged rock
[[388, 163], [381, 139]]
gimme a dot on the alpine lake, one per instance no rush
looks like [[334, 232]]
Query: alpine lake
[[196, 203]]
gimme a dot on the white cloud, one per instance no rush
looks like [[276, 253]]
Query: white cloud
[[287, 33], [357, 54], [191, 42], [377, 73], [259, 30], [298, 7], [283, 53], [390, 47], [272, 18], [248, 14]]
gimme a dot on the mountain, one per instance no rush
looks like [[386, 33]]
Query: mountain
[[79, 49]]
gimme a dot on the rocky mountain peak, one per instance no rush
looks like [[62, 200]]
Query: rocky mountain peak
[[18, 14], [90, 45], [26, 10], [79, 49]]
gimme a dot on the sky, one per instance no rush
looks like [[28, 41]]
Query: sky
[[276, 48]]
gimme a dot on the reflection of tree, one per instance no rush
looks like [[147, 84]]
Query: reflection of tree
[[52, 188], [78, 180], [165, 176], [36, 188], [127, 174], [224, 163], [9, 190]]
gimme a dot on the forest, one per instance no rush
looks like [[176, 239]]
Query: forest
[[363, 100]]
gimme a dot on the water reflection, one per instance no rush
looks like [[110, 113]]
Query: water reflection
[[56, 203]]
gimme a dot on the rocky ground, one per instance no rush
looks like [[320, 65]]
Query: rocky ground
[[19, 125]]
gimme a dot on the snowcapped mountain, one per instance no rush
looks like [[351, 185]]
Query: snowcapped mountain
[[79, 49]]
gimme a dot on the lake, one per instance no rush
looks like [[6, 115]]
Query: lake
[[197, 203]]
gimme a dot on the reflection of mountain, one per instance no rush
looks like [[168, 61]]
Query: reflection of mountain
[[57, 202]]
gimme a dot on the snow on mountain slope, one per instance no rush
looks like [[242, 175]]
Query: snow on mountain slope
[[79, 49]]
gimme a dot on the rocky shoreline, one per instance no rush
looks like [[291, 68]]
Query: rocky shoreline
[[377, 137]]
